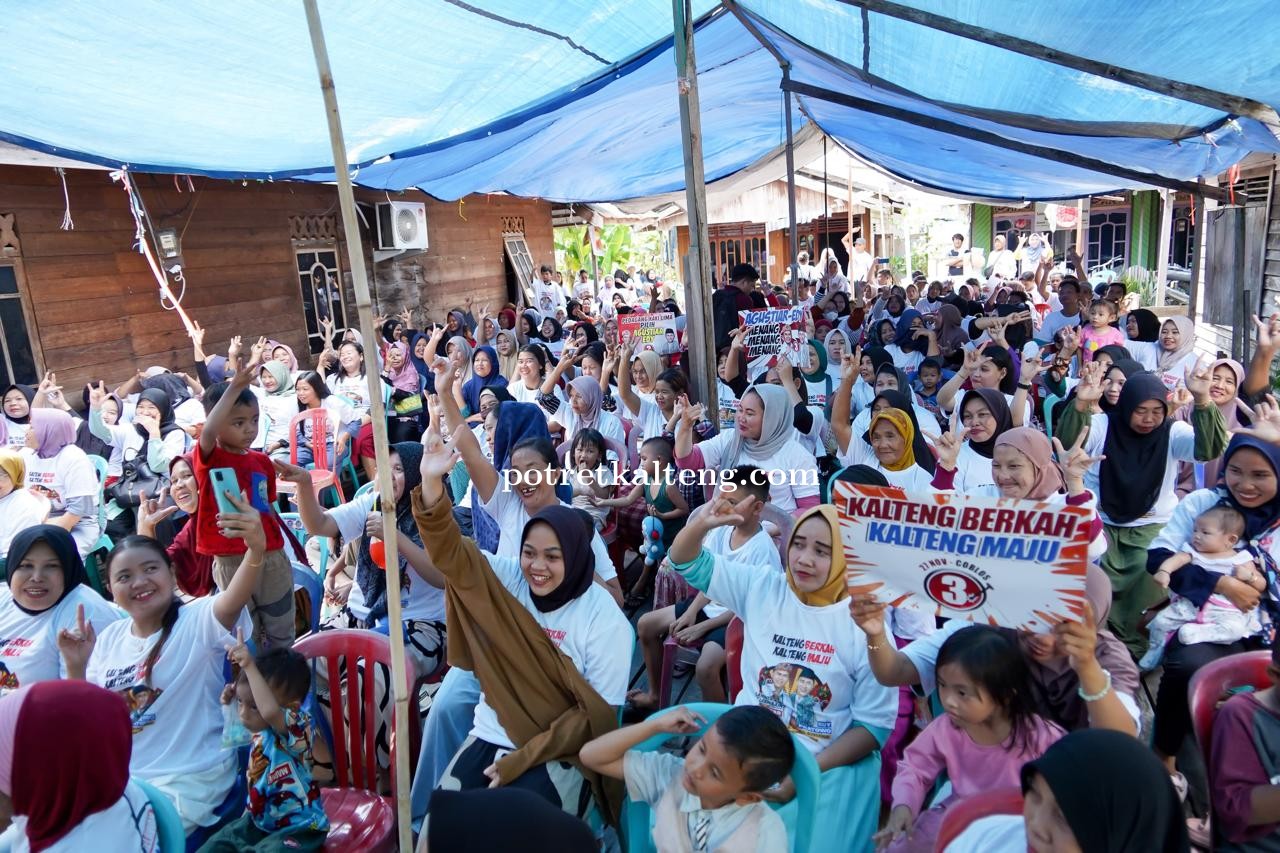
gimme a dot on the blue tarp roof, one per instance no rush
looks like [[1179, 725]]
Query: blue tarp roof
[[576, 100]]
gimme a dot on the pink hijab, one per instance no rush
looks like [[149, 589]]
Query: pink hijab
[[1032, 444], [406, 378]]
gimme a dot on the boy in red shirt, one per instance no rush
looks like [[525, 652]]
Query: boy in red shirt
[[229, 430]]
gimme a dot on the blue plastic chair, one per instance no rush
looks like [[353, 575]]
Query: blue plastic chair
[[104, 542], [365, 489], [294, 522], [304, 578], [1050, 401], [637, 818], [168, 823]]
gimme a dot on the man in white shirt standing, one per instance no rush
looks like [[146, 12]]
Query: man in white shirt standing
[[1069, 296], [859, 260]]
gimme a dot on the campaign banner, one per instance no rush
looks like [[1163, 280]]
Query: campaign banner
[[1018, 564], [771, 334], [657, 331]]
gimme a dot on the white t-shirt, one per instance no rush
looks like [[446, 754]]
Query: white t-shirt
[[759, 550], [1182, 441], [505, 507], [61, 478], [972, 470], [798, 466], [649, 420], [130, 824], [1053, 322], [29, 644], [354, 388], [859, 265], [608, 424], [19, 510], [277, 411], [177, 722], [590, 629], [907, 362], [17, 434], [419, 600], [806, 664]]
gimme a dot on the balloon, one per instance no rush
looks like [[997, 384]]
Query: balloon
[[378, 553]]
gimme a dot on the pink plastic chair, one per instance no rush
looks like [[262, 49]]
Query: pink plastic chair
[[359, 817], [321, 477]]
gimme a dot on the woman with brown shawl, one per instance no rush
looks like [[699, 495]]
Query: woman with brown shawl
[[551, 649]]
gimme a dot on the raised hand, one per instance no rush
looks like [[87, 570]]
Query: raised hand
[[1070, 341], [1075, 463], [196, 333], [1092, 384], [233, 348], [257, 351], [97, 393], [1268, 332], [849, 369], [1199, 378], [438, 456], [720, 512], [738, 338], [1180, 397], [239, 654], [1078, 641], [948, 445], [997, 329], [678, 721], [292, 473], [77, 645], [973, 359], [1031, 368], [868, 614], [406, 317], [152, 511], [1266, 422]]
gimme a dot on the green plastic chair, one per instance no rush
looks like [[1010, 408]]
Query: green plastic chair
[[104, 543], [1050, 401], [637, 818], [168, 823]]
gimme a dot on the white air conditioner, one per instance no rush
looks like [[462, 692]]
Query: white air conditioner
[[402, 225]]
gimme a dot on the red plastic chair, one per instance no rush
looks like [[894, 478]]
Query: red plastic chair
[[359, 817], [959, 816], [1213, 681], [321, 477], [733, 657]]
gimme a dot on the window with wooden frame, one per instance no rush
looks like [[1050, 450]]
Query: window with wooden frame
[[320, 280], [20, 357]]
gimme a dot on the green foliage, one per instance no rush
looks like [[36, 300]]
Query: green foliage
[[573, 252], [919, 261], [1141, 281]]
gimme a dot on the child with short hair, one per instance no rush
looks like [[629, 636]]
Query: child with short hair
[[926, 384], [284, 807], [658, 485], [1214, 537], [1099, 332], [229, 432], [990, 729], [699, 618], [713, 799]]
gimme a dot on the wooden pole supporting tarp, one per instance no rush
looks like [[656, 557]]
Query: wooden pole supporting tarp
[[377, 411], [698, 334]]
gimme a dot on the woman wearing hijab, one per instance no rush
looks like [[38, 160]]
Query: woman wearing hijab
[[1251, 470], [834, 705], [1079, 795], [282, 353], [150, 442], [952, 338], [541, 700], [899, 451], [62, 473], [484, 374], [1140, 446], [985, 416], [1172, 353], [584, 412], [406, 407], [553, 335], [837, 345], [764, 435], [418, 344], [19, 508], [530, 329], [817, 380], [1227, 376], [890, 389], [65, 748], [16, 406], [912, 342], [1143, 325], [47, 584], [277, 405]]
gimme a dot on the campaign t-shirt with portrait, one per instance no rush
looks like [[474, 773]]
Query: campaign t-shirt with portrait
[[177, 719], [29, 643], [354, 388], [591, 629], [505, 507], [759, 550], [808, 665], [798, 467], [419, 600]]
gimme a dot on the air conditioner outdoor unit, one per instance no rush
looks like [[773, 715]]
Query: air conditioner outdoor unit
[[402, 225]]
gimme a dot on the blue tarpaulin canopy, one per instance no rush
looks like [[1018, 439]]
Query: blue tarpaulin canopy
[[576, 100]]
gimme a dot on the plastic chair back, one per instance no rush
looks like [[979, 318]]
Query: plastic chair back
[[168, 823], [1213, 681], [355, 760], [959, 816], [733, 656], [304, 578], [638, 817], [320, 428], [1050, 400]]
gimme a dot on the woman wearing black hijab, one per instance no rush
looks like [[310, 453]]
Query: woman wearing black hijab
[[1140, 446], [15, 403], [1096, 791], [47, 585], [146, 446]]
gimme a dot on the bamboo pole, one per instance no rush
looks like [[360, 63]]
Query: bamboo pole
[[364, 305]]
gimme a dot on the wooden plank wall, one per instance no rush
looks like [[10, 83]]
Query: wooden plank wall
[[96, 304], [465, 256]]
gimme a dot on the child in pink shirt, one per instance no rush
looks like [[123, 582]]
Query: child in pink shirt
[[1099, 332], [988, 732]]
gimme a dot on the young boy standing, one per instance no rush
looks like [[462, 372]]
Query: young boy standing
[[713, 799], [229, 430], [284, 808], [699, 618]]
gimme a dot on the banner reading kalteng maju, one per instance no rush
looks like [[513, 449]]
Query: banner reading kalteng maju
[[1020, 564]]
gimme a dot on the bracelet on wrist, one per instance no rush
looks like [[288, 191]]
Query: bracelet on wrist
[[1101, 694], [873, 646], [1025, 386]]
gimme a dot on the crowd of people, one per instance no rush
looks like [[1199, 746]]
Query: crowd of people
[[563, 504]]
